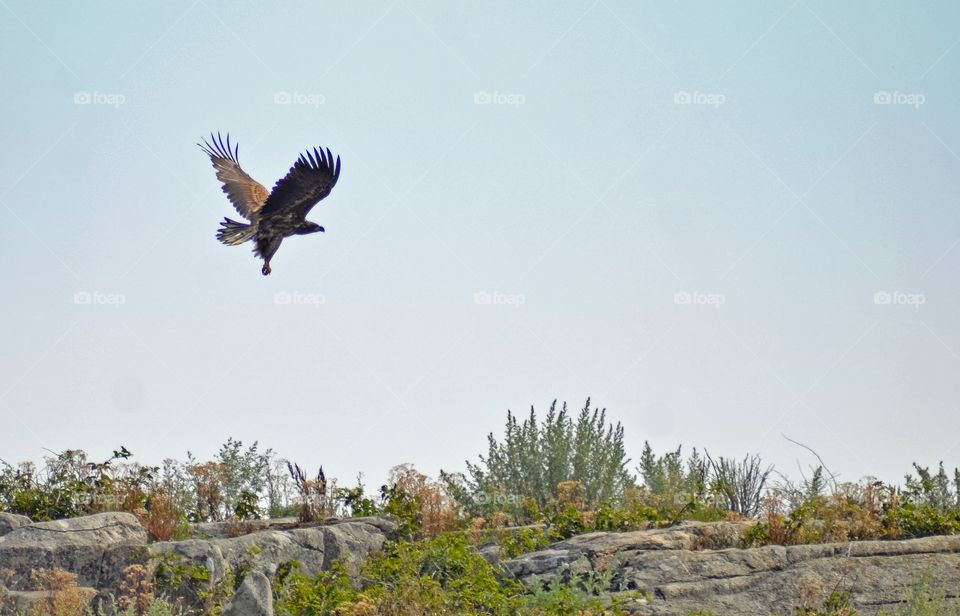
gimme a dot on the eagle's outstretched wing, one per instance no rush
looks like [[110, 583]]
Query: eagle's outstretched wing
[[246, 194], [310, 179]]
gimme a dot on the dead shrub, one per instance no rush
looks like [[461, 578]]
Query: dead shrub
[[64, 597], [161, 516], [437, 507], [136, 590]]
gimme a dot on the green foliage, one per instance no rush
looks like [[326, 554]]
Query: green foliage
[[523, 540], [560, 599], [534, 457], [70, 485], [918, 520], [354, 502], [173, 576], [245, 471], [933, 490], [247, 506], [438, 576], [851, 512], [672, 486], [301, 595], [403, 507]]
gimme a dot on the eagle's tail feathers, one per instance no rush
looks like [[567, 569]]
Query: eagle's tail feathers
[[233, 233]]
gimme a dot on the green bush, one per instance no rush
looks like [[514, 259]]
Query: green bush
[[438, 576], [70, 485], [536, 456]]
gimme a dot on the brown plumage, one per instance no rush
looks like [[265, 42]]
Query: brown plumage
[[273, 215]]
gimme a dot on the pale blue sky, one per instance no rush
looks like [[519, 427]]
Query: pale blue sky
[[630, 156]]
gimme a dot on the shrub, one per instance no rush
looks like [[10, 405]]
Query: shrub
[[435, 576], [534, 457], [354, 501], [313, 493], [245, 476], [191, 584], [423, 507], [836, 604], [65, 597], [322, 595], [740, 485], [136, 590], [161, 518], [70, 485]]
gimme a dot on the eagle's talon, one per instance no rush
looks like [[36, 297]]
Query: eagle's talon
[[266, 269]]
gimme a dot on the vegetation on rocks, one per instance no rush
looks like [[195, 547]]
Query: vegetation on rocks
[[546, 479]]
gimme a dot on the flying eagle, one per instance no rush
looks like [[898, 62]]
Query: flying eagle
[[276, 214]]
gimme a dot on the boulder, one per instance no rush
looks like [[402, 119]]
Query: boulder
[[314, 548], [97, 548], [253, 598], [12, 521]]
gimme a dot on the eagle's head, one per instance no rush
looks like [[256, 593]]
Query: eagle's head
[[308, 227]]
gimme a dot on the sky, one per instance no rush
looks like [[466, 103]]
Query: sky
[[725, 223]]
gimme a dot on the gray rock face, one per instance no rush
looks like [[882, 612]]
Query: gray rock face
[[97, 548], [690, 567], [253, 598], [314, 548], [11, 521]]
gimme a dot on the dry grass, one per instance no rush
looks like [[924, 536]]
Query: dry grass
[[161, 517], [439, 512], [64, 596], [136, 590]]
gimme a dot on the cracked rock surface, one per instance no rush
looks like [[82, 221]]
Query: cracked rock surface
[[697, 566], [667, 572], [98, 548]]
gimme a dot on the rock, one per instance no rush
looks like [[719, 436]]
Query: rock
[[315, 548], [253, 598], [225, 530], [11, 521], [578, 554], [97, 548], [672, 567]]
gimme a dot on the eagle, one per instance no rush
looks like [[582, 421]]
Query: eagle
[[273, 215]]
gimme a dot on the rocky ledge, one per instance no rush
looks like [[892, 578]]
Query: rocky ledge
[[98, 548], [696, 566], [665, 572]]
